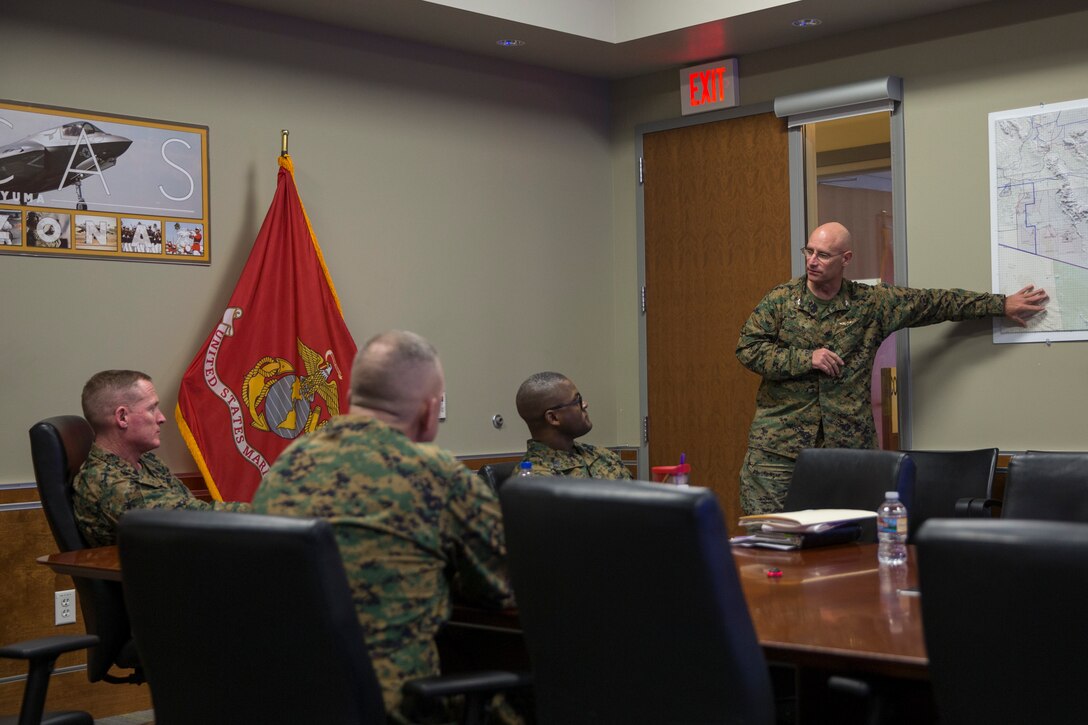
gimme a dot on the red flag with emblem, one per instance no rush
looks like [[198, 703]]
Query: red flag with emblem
[[276, 365]]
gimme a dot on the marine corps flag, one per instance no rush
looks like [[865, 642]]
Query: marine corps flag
[[276, 364]]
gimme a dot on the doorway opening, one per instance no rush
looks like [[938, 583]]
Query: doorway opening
[[848, 179]]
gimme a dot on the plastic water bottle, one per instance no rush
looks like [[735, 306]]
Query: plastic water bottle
[[525, 469], [891, 530]]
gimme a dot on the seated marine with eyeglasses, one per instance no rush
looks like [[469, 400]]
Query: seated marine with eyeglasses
[[556, 414], [813, 340]]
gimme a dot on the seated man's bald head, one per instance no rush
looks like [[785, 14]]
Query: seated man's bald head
[[394, 372], [553, 410], [538, 394]]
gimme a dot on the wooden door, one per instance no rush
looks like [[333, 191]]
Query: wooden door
[[717, 231]]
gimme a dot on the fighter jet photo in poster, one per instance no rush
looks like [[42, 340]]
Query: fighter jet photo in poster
[[88, 184], [59, 157]]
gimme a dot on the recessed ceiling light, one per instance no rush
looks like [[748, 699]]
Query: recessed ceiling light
[[510, 43], [806, 22]]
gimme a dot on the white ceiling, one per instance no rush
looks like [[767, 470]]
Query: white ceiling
[[614, 39]]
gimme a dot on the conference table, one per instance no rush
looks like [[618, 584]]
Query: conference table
[[835, 607], [830, 608], [98, 563], [822, 612]]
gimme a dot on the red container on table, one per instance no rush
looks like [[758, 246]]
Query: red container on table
[[677, 475]]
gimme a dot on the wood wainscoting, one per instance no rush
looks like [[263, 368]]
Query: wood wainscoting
[[27, 603]]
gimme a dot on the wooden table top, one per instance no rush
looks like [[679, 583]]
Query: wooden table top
[[831, 607], [103, 562], [835, 607]]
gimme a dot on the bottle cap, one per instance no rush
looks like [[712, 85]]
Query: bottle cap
[[525, 465], [891, 494]]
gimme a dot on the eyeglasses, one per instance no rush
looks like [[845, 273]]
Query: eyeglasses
[[577, 401], [822, 256]]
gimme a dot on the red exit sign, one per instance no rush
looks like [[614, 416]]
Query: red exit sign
[[708, 87]]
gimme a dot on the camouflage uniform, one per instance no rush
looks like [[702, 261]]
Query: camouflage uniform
[[406, 517], [581, 461], [798, 407], [107, 486]]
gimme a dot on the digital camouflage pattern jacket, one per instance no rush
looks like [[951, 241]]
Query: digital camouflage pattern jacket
[[107, 486], [795, 404], [412, 523], [582, 461]]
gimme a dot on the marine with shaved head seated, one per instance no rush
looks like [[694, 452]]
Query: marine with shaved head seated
[[121, 473], [411, 521], [556, 415]]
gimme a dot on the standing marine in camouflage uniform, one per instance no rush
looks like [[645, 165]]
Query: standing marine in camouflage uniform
[[411, 521], [814, 339], [556, 414], [120, 472]]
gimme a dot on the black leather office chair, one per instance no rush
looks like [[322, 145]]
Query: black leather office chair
[[41, 655], [1050, 486], [848, 478], [495, 474], [951, 484], [855, 479], [58, 447], [243, 618], [630, 604], [1004, 627]]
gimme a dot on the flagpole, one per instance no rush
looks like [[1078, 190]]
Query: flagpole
[[283, 142], [232, 438]]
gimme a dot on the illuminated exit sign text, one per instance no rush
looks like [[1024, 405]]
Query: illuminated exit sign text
[[708, 87]]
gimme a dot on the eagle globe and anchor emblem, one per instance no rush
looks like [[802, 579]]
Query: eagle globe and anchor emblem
[[282, 402]]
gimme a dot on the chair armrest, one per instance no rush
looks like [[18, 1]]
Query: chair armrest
[[851, 686], [486, 681], [477, 687], [975, 508], [34, 649], [42, 654]]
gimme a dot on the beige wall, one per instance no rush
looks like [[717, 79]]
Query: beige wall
[[967, 391], [454, 196], [457, 196]]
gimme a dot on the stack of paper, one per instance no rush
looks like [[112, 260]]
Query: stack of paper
[[802, 529]]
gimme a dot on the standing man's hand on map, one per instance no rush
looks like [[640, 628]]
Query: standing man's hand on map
[[1026, 303]]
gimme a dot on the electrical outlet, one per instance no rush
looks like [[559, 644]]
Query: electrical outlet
[[64, 607]]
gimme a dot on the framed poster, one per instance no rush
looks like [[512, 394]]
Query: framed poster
[[90, 185]]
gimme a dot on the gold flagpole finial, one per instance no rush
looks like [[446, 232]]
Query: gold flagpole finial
[[283, 142]]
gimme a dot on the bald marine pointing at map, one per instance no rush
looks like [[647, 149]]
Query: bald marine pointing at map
[[813, 340]]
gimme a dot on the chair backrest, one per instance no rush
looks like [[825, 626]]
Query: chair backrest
[[943, 478], [245, 618], [631, 605], [495, 474], [58, 447], [1050, 486], [850, 478], [1003, 627]]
